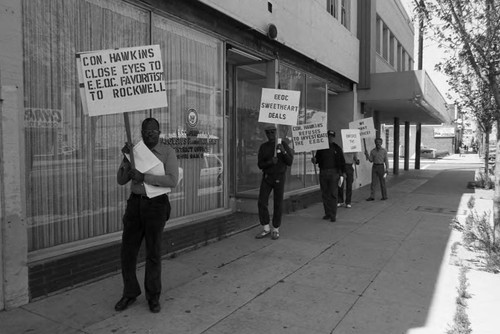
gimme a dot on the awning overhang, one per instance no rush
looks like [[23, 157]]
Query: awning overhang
[[410, 96]]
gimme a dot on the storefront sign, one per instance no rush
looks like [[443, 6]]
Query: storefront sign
[[448, 132], [42, 118], [279, 106], [190, 147], [351, 140], [365, 127], [309, 137], [121, 80]]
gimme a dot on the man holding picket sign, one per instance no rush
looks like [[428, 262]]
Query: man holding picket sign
[[108, 85], [351, 144], [273, 159], [331, 169], [146, 214], [277, 106]]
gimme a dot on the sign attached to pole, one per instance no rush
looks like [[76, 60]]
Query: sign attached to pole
[[121, 80], [365, 127], [351, 140], [279, 106], [309, 137]]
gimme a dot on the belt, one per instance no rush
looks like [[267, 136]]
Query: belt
[[142, 196], [378, 164]]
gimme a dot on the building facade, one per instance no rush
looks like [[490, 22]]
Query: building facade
[[390, 89], [60, 205]]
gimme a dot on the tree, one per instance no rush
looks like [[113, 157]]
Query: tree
[[472, 29], [473, 98]]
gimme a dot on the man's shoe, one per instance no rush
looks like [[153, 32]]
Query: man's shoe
[[333, 220], [124, 303], [340, 204], [370, 199], [275, 235], [384, 198], [326, 217], [262, 234], [348, 206], [154, 306]]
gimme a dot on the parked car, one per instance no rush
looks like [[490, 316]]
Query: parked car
[[211, 173]]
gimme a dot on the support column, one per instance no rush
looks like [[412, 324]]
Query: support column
[[13, 234], [407, 146], [395, 167], [418, 140]]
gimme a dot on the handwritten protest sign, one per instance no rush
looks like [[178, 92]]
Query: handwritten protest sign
[[279, 106], [365, 127], [121, 80], [309, 137], [351, 140]]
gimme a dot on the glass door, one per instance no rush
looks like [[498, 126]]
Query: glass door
[[249, 80]]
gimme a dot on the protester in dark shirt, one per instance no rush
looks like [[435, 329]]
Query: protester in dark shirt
[[331, 167], [273, 160]]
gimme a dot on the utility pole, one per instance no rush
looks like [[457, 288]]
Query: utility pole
[[420, 5]]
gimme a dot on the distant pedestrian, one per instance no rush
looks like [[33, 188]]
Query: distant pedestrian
[[145, 218], [273, 159], [351, 159], [380, 168], [331, 167]]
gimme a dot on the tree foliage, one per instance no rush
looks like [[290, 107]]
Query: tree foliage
[[470, 32]]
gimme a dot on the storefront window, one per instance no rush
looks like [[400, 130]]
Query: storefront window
[[71, 158], [250, 79], [193, 121]]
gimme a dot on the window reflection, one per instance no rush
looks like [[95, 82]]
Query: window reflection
[[250, 135]]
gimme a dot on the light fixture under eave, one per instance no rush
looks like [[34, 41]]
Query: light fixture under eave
[[244, 54]]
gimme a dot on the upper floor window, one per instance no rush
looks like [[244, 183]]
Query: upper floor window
[[392, 49], [385, 42], [379, 25], [345, 12], [399, 58], [332, 6]]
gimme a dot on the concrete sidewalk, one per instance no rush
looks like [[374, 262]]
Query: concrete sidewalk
[[383, 267]]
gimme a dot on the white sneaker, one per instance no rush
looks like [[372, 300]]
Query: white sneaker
[[348, 205], [340, 204]]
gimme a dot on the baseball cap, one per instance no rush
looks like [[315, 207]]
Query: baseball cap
[[331, 133], [269, 127]]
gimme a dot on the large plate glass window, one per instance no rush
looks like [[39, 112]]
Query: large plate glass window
[[71, 159], [193, 123]]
